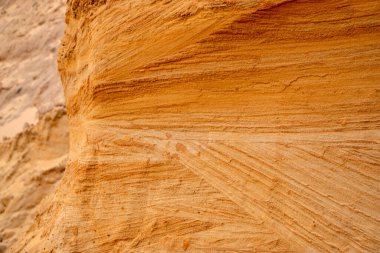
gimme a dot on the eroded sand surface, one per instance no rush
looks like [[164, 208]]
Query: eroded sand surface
[[195, 126], [218, 126], [27, 117], [33, 121], [30, 32]]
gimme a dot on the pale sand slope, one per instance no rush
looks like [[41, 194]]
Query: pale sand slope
[[30, 32], [31, 164], [32, 158], [29, 116]]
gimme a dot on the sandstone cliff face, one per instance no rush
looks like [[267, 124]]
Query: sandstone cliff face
[[33, 121], [218, 126]]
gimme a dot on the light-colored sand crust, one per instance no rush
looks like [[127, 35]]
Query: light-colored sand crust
[[33, 123], [30, 32], [10, 129]]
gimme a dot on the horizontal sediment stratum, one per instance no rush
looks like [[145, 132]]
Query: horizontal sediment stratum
[[218, 126]]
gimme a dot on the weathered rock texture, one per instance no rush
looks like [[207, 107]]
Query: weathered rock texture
[[32, 117], [218, 126]]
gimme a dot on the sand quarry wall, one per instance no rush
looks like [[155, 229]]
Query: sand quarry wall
[[217, 126]]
